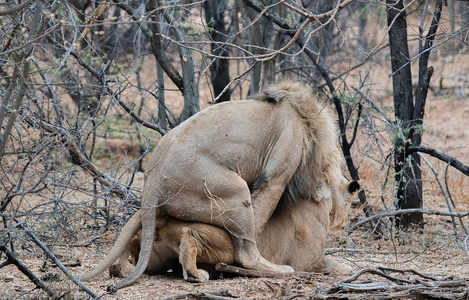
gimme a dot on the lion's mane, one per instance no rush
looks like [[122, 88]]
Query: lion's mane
[[321, 157]]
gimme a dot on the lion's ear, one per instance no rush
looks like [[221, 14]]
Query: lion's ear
[[355, 186], [263, 96]]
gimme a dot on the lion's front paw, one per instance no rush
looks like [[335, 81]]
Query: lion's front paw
[[200, 276]]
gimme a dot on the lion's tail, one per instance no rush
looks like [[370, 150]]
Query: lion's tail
[[149, 215], [128, 232]]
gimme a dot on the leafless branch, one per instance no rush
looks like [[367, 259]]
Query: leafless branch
[[55, 260], [374, 105], [79, 159], [407, 211], [441, 156], [12, 259], [15, 9], [444, 195], [16, 107]]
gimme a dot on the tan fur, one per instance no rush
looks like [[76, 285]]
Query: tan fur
[[229, 166], [294, 235]]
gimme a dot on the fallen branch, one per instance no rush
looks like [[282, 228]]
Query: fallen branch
[[386, 286], [413, 272], [222, 295], [55, 260], [376, 271], [407, 211], [415, 285], [14, 9], [222, 267], [11, 259], [329, 251]]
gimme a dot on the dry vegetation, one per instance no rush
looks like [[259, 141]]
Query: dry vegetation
[[79, 220]]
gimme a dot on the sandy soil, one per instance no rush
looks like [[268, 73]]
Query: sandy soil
[[435, 253]]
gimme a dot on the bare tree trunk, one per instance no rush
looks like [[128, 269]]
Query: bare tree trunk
[[191, 86], [219, 68], [407, 173], [464, 14], [161, 100], [259, 37]]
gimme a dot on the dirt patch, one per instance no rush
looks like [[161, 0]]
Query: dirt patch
[[435, 253]]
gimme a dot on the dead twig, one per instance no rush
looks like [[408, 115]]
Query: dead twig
[[415, 286], [222, 295], [120, 190], [55, 260], [407, 211], [12, 259], [453, 220], [411, 271]]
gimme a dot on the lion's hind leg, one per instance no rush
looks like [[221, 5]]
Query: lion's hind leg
[[224, 200]]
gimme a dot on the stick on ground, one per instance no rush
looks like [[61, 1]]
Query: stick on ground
[[12, 259], [56, 261]]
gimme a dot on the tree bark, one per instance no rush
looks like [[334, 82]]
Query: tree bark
[[190, 84], [219, 68], [407, 172], [259, 36]]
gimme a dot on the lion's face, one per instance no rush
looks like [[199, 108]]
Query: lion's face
[[341, 199]]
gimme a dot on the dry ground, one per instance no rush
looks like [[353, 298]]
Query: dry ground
[[434, 253]]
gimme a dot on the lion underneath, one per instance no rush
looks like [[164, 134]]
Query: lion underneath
[[230, 165]]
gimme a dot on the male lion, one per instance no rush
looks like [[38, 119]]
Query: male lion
[[294, 235], [230, 164]]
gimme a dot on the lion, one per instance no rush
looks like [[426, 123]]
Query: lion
[[230, 165], [295, 235]]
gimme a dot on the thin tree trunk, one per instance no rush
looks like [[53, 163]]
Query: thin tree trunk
[[464, 15], [190, 85], [16, 107], [219, 68], [259, 36], [407, 173], [161, 100]]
